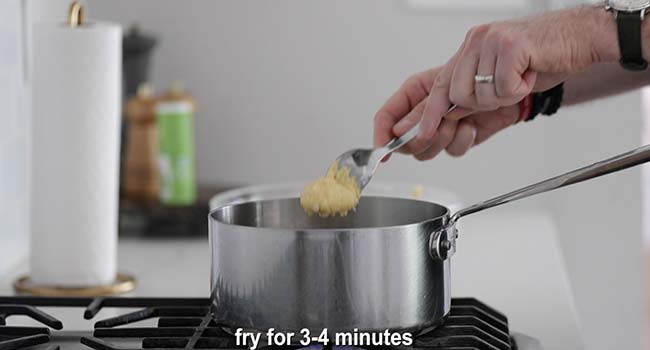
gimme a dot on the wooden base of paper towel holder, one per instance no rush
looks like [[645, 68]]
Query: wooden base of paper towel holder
[[123, 283]]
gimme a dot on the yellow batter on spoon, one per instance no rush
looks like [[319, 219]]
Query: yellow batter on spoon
[[334, 194]]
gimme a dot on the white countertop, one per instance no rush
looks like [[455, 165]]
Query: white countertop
[[509, 260]]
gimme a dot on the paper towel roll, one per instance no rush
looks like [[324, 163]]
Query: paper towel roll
[[76, 117]]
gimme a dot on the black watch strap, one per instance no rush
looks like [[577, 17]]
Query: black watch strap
[[546, 102], [629, 40]]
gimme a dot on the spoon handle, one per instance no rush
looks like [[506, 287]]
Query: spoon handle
[[398, 142], [620, 162]]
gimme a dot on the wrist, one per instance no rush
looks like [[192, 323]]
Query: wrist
[[604, 35]]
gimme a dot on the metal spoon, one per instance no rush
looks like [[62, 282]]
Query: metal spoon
[[363, 162]]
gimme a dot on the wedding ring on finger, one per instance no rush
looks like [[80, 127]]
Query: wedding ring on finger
[[484, 79]]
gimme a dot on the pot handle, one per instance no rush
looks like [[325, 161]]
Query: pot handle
[[442, 243]]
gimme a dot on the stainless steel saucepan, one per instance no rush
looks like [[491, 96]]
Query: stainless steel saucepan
[[385, 266]]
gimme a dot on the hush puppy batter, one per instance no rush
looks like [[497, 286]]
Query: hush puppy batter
[[334, 194]]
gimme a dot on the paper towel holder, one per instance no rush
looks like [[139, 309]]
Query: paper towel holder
[[76, 15], [89, 266]]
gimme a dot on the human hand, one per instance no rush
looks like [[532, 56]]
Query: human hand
[[522, 56], [404, 109]]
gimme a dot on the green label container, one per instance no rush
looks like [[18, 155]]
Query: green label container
[[176, 153]]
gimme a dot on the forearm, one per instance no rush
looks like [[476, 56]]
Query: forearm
[[606, 77], [602, 80]]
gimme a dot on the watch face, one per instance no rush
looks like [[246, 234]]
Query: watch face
[[629, 5]]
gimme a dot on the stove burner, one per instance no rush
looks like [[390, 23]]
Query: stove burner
[[185, 323]]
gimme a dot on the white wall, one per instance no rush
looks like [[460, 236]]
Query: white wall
[[284, 86], [16, 17], [289, 83], [14, 136], [600, 220]]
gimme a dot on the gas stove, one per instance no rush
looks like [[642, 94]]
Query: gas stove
[[186, 323]]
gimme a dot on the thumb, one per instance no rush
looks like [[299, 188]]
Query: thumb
[[413, 117]]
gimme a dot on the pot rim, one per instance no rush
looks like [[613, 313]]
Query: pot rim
[[444, 217]]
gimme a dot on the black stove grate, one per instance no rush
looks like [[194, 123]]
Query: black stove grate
[[185, 323]]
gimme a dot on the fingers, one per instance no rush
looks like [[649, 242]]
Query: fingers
[[413, 91], [428, 112], [464, 138], [428, 148], [491, 50], [413, 117], [489, 123], [465, 91], [486, 94], [458, 137], [458, 113], [488, 50], [444, 136], [398, 105], [477, 58], [418, 144], [513, 78], [436, 107], [461, 89], [383, 128]]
